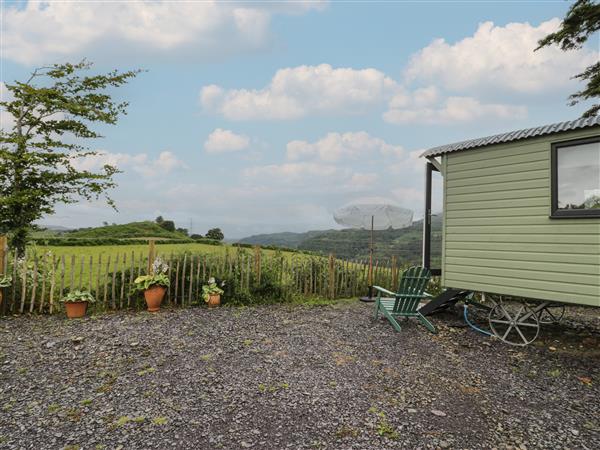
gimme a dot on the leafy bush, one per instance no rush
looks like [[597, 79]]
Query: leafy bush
[[215, 233], [5, 281], [211, 289], [85, 242], [145, 282], [78, 296], [157, 277]]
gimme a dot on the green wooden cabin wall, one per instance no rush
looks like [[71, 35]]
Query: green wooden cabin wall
[[497, 234]]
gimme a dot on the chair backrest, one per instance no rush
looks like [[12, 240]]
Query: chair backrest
[[410, 292]]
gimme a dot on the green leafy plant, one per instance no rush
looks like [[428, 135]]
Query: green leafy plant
[[78, 296], [5, 281], [145, 282], [157, 277], [211, 289]]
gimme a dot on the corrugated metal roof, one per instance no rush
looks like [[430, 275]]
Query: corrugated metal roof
[[514, 136]]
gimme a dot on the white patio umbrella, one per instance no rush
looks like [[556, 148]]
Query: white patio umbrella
[[375, 216]]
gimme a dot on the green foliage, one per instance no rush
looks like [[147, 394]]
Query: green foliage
[[168, 225], [582, 20], [145, 282], [52, 110], [159, 421], [5, 281], [84, 242], [211, 289], [285, 239], [145, 229], [78, 296], [215, 233], [405, 244]]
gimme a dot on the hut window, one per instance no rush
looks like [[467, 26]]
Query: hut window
[[576, 178]]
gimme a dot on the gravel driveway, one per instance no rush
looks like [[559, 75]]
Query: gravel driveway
[[279, 377]]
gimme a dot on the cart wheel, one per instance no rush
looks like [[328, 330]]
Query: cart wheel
[[514, 323], [551, 313]]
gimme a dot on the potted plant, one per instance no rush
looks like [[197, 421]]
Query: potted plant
[[154, 284], [211, 293], [76, 303]]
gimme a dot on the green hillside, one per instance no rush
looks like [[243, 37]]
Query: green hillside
[[286, 239], [405, 244], [133, 230]]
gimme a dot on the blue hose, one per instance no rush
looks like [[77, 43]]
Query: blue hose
[[487, 333]]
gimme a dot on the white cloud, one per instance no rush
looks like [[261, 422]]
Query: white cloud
[[293, 171], [336, 146], [140, 163], [42, 32], [501, 57], [362, 181], [222, 141], [297, 92], [452, 110]]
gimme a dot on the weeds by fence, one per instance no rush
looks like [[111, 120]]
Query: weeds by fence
[[251, 276]]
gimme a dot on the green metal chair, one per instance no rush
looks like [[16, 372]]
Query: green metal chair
[[405, 302]]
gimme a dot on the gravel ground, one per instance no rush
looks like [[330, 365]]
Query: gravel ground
[[279, 377]]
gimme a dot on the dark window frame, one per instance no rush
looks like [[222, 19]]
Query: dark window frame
[[429, 169], [555, 212]]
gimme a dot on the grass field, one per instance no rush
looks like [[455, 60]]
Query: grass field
[[108, 258]]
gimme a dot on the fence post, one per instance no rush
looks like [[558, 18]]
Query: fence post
[[331, 276], [394, 273], [3, 252], [257, 263], [151, 253]]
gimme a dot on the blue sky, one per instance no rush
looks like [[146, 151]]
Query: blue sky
[[262, 117]]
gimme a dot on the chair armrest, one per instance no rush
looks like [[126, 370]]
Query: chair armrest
[[385, 291]]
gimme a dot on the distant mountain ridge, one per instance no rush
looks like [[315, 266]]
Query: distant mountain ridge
[[405, 244], [284, 239]]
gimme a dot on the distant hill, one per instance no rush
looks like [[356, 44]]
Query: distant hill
[[56, 228], [133, 230], [405, 244], [286, 239]]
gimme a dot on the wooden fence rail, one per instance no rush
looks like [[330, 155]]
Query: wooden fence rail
[[39, 281]]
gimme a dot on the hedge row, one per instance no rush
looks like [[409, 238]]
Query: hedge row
[[89, 242]]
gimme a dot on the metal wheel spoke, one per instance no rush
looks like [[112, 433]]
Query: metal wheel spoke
[[507, 331], [505, 322], [518, 314], [527, 324], [505, 312], [525, 341]]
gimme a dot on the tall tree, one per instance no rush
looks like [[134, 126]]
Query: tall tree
[[215, 233], [51, 112], [582, 20]]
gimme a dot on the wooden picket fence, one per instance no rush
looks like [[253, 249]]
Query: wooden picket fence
[[40, 281]]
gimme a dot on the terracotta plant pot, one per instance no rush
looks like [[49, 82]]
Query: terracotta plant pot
[[75, 309], [154, 297], [214, 300]]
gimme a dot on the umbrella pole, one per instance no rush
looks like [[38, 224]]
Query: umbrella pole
[[371, 256]]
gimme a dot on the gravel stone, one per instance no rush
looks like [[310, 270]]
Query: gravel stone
[[293, 377]]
